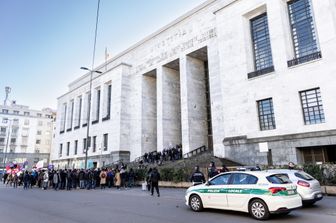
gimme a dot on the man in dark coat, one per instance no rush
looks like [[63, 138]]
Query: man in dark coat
[[197, 177], [154, 178], [212, 170]]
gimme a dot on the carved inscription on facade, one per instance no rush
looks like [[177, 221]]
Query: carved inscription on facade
[[172, 51]]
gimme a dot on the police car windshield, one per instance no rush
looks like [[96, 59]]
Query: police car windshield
[[278, 179]]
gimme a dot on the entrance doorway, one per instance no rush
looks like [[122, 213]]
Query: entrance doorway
[[318, 154], [201, 101], [149, 112]]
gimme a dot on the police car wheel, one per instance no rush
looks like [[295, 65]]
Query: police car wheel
[[259, 210], [195, 203]]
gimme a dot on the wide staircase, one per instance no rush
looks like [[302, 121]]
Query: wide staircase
[[198, 157]]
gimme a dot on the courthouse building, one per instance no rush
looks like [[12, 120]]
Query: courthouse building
[[252, 80]]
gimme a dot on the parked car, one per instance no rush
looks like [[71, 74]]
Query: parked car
[[307, 186], [259, 193], [248, 168]]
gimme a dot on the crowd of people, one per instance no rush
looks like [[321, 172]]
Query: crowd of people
[[119, 177], [167, 154], [67, 179]]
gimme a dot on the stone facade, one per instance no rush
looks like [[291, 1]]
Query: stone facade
[[159, 89]]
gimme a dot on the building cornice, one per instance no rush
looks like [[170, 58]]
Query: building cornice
[[94, 78]]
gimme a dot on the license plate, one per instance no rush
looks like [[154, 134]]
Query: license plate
[[290, 192]]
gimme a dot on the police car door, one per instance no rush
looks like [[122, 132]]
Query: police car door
[[216, 196], [239, 190]]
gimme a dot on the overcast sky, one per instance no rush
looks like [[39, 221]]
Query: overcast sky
[[44, 42]]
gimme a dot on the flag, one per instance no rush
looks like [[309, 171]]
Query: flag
[[39, 164], [107, 56]]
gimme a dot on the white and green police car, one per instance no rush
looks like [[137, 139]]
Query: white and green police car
[[257, 192]]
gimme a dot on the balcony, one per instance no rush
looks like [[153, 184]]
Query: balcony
[[304, 59], [260, 72], [95, 121], [106, 118]]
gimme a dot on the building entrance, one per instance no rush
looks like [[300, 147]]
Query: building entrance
[[318, 154]]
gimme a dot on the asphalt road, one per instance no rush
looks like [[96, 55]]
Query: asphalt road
[[127, 206]]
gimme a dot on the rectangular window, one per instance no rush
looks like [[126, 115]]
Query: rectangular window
[[72, 104], [3, 131], [97, 104], [5, 111], [13, 141], [60, 150], [38, 141], [63, 118], [107, 104], [86, 108], [263, 61], [39, 115], [40, 123], [312, 106], [266, 114], [39, 132], [68, 148], [2, 141], [26, 122], [16, 122], [15, 130], [94, 146], [76, 147], [16, 112], [26, 113], [303, 32], [84, 145], [109, 91], [105, 143], [79, 111]]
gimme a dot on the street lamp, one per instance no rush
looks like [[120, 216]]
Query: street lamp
[[91, 72], [88, 113]]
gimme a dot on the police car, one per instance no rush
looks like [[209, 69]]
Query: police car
[[259, 193]]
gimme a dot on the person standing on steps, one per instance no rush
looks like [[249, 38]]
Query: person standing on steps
[[154, 178]]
